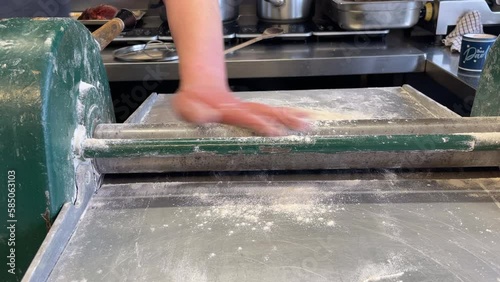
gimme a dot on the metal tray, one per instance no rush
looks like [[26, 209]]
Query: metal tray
[[75, 15], [374, 15]]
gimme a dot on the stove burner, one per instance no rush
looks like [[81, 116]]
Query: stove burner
[[140, 34], [297, 30], [305, 30], [329, 29]]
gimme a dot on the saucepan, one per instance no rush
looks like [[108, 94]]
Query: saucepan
[[288, 11]]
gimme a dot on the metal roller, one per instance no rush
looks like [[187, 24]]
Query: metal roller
[[321, 128], [421, 143]]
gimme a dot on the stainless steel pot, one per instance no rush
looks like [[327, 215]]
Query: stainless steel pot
[[229, 10], [284, 10]]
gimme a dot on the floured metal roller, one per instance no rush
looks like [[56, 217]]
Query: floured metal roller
[[426, 143], [395, 127]]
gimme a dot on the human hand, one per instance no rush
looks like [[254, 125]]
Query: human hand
[[218, 105]]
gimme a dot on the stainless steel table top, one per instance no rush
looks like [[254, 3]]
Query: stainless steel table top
[[442, 66], [396, 54], [341, 104], [389, 228], [291, 59], [448, 62]]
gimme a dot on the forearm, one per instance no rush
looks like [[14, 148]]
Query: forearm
[[197, 31]]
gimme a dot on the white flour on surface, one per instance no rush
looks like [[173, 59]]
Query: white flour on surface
[[391, 270], [315, 114], [365, 103], [263, 213]]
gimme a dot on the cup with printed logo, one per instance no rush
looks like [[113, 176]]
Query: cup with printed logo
[[474, 51]]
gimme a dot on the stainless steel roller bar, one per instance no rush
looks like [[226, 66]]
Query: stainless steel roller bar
[[319, 128], [419, 143]]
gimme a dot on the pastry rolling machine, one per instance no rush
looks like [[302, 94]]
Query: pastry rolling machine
[[388, 185]]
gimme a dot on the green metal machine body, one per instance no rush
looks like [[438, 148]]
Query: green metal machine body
[[487, 100], [53, 89]]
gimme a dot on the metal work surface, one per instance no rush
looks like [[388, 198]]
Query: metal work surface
[[290, 60], [333, 104], [442, 66], [387, 228]]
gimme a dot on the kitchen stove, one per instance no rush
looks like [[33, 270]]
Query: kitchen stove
[[153, 28], [299, 31]]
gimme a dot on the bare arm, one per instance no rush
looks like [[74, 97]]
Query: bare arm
[[196, 27], [204, 95]]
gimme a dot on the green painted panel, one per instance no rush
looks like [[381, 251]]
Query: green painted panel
[[51, 78], [116, 148], [487, 100]]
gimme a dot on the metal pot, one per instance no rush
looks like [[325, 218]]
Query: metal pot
[[284, 10], [229, 10]]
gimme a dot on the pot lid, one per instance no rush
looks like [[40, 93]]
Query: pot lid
[[152, 51]]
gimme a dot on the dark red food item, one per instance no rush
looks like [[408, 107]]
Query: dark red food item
[[101, 12]]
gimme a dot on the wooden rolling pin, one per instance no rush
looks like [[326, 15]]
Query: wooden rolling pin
[[124, 20]]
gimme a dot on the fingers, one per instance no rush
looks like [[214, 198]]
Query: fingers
[[195, 111], [244, 117], [198, 112], [291, 118], [298, 112], [263, 119]]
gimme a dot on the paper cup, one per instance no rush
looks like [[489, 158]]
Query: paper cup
[[474, 51]]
